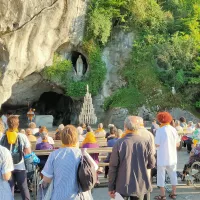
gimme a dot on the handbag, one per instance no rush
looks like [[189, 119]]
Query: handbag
[[87, 175]]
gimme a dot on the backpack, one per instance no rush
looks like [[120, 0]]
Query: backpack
[[16, 151], [87, 175]]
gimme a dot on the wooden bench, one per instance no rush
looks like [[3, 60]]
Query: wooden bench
[[58, 144], [101, 138], [102, 157], [90, 150], [52, 134]]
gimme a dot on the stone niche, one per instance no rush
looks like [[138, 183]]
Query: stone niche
[[78, 59]]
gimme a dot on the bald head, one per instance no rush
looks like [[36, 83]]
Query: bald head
[[132, 123]]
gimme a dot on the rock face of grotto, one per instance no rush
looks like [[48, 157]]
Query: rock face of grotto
[[30, 33]]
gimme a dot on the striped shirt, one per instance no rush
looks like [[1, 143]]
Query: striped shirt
[[6, 165], [62, 166]]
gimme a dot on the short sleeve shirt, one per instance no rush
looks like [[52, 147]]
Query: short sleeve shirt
[[167, 139], [62, 166], [25, 144], [6, 165]]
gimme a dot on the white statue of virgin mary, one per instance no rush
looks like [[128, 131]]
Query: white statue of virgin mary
[[79, 67]]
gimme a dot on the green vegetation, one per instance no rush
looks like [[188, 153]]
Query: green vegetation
[[58, 71], [61, 73], [166, 51], [102, 15], [96, 76]]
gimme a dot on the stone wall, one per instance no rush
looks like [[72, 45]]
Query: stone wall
[[116, 116], [115, 55], [30, 89], [177, 113], [30, 33]]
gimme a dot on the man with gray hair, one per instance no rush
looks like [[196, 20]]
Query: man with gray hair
[[130, 160]]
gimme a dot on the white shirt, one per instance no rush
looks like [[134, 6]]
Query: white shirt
[[34, 130], [167, 139], [50, 140], [25, 144]]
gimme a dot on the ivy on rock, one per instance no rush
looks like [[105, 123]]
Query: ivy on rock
[[61, 72]]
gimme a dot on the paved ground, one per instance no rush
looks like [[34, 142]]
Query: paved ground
[[184, 192]]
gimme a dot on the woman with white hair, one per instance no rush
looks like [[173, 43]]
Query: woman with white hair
[[80, 134], [100, 132], [33, 128]]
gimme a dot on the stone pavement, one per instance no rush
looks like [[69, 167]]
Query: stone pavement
[[184, 192]]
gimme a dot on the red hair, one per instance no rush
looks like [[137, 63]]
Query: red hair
[[164, 117]]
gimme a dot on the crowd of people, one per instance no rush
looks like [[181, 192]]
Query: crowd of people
[[136, 152]]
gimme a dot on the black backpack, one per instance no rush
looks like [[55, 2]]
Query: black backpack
[[87, 174], [16, 151]]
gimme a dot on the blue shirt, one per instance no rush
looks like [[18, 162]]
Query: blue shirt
[[62, 166], [112, 142], [6, 165]]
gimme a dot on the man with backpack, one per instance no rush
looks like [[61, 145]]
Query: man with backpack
[[19, 145]]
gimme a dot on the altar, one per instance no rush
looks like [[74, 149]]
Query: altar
[[44, 120]]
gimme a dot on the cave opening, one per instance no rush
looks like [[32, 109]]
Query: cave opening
[[58, 105], [74, 57], [61, 107]]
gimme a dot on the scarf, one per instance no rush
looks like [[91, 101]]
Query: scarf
[[89, 138], [99, 130], [12, 136], [164, 124], [128, 132], [69, 145]]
